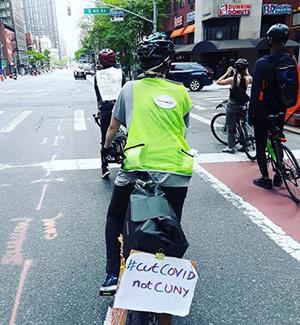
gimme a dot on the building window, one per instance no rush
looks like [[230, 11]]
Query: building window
[[221, 29], [191, 38], [179, 40], [182, 3]]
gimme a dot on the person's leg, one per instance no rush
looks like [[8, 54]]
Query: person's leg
[[261, 135], [114, 226], [104, 121], [176, 197], [231, 120]]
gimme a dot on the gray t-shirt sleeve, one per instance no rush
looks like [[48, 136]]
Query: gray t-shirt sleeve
[[119, 110], [123, 107]]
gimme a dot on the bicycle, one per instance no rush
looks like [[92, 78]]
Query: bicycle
[[244, 131], [117, 146], [282, 159]]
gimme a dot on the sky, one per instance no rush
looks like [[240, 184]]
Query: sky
[[68, 25]]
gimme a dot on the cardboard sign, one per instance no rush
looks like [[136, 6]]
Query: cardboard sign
[[109, 83], [155, 285]]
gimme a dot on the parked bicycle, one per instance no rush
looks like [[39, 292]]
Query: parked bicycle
[[282, 159], [244, 131]]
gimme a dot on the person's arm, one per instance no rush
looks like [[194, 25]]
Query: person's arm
[[225, 79], [257, 83], [111, 132], [99, 99]]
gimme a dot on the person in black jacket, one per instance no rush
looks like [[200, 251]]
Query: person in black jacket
[[108, 82], [264, 100]]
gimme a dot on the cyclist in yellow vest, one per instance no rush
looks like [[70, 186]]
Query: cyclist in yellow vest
[[156, 112]]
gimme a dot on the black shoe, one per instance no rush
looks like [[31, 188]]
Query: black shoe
[[277, 180], [264, 183], [105, 172], [109, 286]]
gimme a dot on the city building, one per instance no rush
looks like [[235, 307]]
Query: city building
[[8, 47], [227, 29], [40, 19], [11, 14], [223, 30]]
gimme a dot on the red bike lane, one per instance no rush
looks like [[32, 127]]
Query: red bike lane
[[274, 204]]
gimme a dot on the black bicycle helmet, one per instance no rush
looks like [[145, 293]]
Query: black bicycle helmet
[[241, 64], [278, 33], [154, 50]]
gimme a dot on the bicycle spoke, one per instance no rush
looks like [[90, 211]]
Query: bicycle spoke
[[291, 173]]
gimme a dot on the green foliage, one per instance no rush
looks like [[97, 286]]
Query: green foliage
[[80, 52], [123, 37], [35, 57]]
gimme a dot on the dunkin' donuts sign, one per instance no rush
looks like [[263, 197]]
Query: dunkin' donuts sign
[[234, 10]]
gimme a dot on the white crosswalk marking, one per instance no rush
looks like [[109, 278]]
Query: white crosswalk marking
[[1, 112], [200, 118], [79, 120], [15, 122], [200, 108]]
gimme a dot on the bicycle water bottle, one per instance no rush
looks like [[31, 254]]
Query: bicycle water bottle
[[270, 150]]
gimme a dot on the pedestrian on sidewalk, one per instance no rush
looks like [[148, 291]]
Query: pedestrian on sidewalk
[[237, 76]]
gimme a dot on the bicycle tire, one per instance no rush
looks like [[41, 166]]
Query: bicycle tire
[[249, 144], [219, 128], [290, 171]]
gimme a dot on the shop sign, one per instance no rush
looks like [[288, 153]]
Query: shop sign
[[178, 21], [275, 9], [190, 16], [234, 10]]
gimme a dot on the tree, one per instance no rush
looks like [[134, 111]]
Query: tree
[[35, 57], [124, 36], [47, 56]]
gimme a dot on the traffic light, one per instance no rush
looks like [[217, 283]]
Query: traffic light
[[69, 10]]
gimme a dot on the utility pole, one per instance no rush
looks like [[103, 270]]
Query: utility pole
[[154, 16]]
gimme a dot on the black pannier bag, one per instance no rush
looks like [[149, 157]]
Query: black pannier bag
[[151, 224]]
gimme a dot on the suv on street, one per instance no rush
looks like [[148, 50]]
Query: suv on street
[[192, 74], [79, 73]]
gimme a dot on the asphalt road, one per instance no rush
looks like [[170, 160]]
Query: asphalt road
[[53, 205]]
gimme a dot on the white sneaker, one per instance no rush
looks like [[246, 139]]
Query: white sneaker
[[229, 150]]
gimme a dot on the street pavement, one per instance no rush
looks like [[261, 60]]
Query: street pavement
[[245, 240]]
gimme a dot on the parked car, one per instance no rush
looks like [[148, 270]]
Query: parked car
[[192, 74], [79, 73]]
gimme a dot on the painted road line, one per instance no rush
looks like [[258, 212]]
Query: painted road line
[[275, 233], [1, 112], [15, 122], [10, 91], [39, 206], [45, 140], [95, 163], [79, 121], [200, 118], [51, 161], [200, 108], [25, 270]]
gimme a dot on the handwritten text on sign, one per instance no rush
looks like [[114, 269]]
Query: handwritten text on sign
[[160, 286]]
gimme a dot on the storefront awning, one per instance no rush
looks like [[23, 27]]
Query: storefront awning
[[184, 48], [229, 45], [215, 46], [182, 31], [261, 43], [189, 29], [177, 32]]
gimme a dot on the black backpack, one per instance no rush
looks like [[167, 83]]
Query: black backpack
[[151, 225], [284, 84]]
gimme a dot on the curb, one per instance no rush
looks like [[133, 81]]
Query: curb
[[292, 129]]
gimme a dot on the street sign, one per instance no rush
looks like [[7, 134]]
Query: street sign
[[117, 15], [3, 63], [97, 11]]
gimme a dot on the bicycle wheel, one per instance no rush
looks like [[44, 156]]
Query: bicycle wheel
[[290, 171], [219, 128], [249, 141]]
